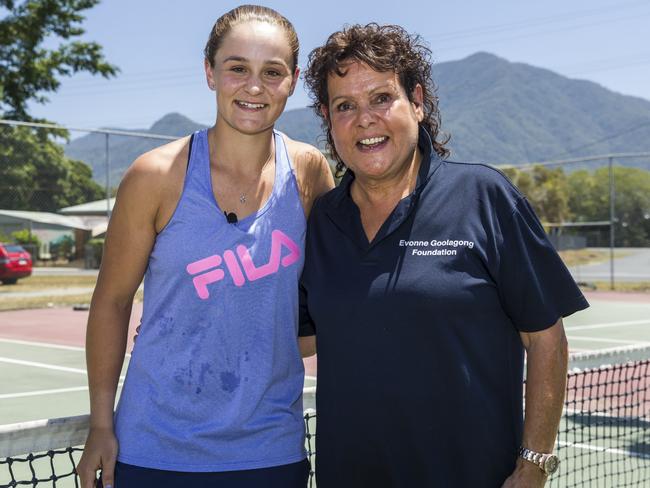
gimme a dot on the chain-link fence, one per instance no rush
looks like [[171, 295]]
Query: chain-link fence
[[597, 212], [56, 183], [590, 206]]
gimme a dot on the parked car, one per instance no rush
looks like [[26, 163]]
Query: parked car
[[15, 263]]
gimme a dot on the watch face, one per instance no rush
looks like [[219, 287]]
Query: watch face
[[551, 464]]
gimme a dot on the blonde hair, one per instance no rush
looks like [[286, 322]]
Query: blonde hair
[[249, 13]]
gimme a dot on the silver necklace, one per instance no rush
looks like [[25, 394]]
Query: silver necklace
[[242, 196]]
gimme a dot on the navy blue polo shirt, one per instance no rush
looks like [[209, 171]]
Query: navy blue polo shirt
[[420, 362]]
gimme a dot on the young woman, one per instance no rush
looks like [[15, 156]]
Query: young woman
[[215, 223]]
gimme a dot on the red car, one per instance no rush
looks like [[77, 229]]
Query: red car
[[15, 263]]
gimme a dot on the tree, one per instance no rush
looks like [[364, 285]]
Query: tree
[[546, 189], [34, 172], [25, 237], [36, 175], [583, 196], [28, 70], [589, 200]]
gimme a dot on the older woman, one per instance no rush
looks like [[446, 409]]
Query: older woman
[[425, 280]]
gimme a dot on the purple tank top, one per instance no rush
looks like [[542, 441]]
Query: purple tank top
[[215, 378]]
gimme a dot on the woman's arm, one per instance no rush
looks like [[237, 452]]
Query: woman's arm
[[130, 237], [547, 354], [307, 346], [314, 179], [313, 172]]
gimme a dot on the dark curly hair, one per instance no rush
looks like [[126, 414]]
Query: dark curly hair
[[383, 48]]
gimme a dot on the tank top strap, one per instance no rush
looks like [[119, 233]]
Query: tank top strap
[[198, 170], [282, 160]]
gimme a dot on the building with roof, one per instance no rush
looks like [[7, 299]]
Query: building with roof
[[94, 214], [50, 228], [77, 223], [98, 208]]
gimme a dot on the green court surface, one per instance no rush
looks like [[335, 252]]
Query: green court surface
[[608, 324], [620, 458], [62, 464], [48, 381], [42, 380]]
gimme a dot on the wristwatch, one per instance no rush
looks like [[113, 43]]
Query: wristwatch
[[546, 462]]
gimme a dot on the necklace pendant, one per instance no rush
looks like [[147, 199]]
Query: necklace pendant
[[242, 198]]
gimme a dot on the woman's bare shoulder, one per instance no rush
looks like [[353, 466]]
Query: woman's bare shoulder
[[312, 169], [156, 175], [161, 160], [304, 156]]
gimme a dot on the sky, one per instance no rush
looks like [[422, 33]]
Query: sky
[[158, 44]]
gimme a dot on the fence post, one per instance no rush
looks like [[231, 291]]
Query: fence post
[[108, 178], [612, 218]]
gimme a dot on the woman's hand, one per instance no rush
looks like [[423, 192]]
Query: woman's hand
[[100, 452], [525, 475]]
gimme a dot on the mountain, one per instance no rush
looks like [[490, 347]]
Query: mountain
[[303, 125], [124, 149], [494, 110], [508, 113]]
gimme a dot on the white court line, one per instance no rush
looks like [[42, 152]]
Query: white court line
[[42, 392], [608, 450], [56, 391], [43, 365], [46, 366], [48, 345], [608, 324], [42, 344], [604, 339]]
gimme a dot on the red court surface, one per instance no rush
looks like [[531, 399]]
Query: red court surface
[[617, 296], [619, 390], [54, 325]]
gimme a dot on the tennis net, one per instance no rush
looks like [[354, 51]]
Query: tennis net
[[603, 440], [42, 453], [45, 453], [604, 435]]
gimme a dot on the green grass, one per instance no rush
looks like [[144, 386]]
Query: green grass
[[637, 287], [575, 257], [22, 303], [35, 283]]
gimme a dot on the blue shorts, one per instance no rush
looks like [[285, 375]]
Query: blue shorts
[[295, 475]]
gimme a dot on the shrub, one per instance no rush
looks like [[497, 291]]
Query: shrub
[[25, 237], [94, 250]]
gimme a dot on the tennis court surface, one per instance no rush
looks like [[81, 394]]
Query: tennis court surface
[[604, 438]]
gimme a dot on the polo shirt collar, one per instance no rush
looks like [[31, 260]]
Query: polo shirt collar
[[345, 214]]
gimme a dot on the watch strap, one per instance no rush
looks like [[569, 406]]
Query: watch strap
[[539, 459]]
